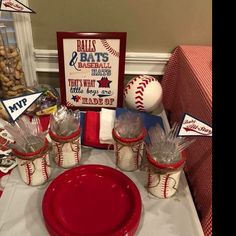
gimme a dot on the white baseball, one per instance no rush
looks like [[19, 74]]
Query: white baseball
[[143, 93]]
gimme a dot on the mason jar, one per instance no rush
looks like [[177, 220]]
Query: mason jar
[[163, 178], [128, 151], [34, 167], [66, 149]]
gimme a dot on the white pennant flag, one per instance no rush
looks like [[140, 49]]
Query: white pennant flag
[[194, 127], [16, 106], [14, 5]]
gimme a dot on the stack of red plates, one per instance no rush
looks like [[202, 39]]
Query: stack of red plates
[[92, 200]]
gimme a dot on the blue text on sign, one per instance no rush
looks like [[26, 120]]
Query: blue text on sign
[[18, 105]]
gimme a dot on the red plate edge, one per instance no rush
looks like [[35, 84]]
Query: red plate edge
[[130, 226]]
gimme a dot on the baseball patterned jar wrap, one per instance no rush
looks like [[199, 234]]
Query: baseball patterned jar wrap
[[66, 149], [128, 151], [34, 167], [163, 179]]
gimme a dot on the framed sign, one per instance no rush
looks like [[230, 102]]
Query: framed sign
[[91, 67]]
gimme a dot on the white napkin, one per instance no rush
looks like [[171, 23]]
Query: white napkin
[[107, 119]]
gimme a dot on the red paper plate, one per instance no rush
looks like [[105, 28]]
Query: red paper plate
[[92, 200]]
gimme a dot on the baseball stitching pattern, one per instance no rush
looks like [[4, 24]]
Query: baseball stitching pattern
[[76, 152], [136, 149], [59, 156], [109, 48], [128, 86], [76, 156], [151, 177], [117, 153], [28, 171], [136, 164], [145, 80], [136, 154], [66, 158], [165, 185], [44, 167]]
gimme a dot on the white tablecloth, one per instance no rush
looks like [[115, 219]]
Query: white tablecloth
[[21, 214]]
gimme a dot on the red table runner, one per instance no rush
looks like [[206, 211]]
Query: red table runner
[[187, 88]]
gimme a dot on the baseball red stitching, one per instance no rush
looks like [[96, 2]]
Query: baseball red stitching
[[28, 173], [165, 185], [118, 147], [76, 156], [128, 85], [145, 80], [109, 48], [143, 84], [76, 152], [139, 102], [44, 167], [138, 155], [139, 92], [136, 150], [141, 107], [59, 156], [149, 178], [141, 88], [61, 160]]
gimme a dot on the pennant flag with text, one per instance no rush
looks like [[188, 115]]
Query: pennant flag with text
[[194, 127], [14, 5], [16, 106]]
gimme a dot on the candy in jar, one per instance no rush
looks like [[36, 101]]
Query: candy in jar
[[47, 103]]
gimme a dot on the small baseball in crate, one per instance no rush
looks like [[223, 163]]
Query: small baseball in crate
[[143, 93]]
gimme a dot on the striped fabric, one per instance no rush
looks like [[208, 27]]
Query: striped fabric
[[187, 88]]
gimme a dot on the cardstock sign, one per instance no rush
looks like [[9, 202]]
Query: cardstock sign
[[194, 127], [16, 106], [91, 67], [15, 6]]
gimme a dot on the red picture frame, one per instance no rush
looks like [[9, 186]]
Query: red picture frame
[[91, 69]]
